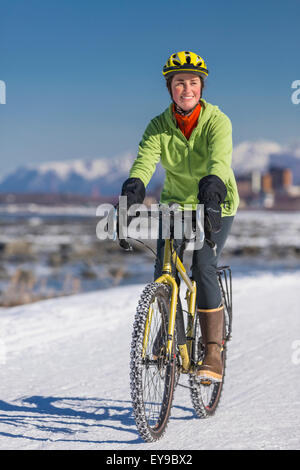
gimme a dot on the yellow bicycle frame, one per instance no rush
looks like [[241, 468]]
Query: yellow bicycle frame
[[168, 278]]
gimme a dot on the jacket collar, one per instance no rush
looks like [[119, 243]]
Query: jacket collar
[[206, 112]]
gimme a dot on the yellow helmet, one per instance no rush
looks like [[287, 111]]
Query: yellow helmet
[[185, 61]]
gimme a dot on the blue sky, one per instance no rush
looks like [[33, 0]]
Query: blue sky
[[83, 77]]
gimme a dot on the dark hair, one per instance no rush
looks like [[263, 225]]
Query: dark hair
[[169, 81]]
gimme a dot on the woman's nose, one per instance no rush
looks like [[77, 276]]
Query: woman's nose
[[187, 87]]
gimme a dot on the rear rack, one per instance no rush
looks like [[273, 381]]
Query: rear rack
[[225, 281]]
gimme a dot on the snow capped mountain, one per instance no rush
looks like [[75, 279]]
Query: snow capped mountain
[[250, 156], [105, 176], [89, 168]]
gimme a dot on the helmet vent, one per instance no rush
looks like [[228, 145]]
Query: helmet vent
[[185, 61]]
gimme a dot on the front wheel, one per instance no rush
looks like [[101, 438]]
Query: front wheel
[[152, 372]]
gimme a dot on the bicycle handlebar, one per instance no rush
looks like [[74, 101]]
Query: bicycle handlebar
[[172, 212]]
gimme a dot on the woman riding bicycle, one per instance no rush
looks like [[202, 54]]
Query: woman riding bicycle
[[193, 140]]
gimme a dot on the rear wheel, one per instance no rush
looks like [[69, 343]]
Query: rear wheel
[[205, 395], [152, 372]]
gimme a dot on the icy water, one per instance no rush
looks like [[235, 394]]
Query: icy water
[[54, 251]]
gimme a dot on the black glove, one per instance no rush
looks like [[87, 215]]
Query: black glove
[[212, 217], [135, 191], [212, 193]]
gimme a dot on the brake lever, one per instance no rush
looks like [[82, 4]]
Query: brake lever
[[122, 242], [125, 245]]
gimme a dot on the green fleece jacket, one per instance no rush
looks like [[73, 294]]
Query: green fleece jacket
[[207, 152]]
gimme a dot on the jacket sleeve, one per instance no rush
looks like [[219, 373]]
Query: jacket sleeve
[[148, 154], [220, 147]]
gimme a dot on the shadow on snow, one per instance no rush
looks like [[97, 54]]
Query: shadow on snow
[[70, 416]]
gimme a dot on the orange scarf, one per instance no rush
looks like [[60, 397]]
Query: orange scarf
[[187, 123]]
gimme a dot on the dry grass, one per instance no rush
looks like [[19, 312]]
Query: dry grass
[[24, 288]]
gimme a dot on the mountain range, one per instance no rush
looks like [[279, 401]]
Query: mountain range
[[105, 176], [98, 177]]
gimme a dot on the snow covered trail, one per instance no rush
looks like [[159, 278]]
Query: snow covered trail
[[64, 366]]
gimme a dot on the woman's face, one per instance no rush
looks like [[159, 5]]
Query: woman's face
[[186, 90]]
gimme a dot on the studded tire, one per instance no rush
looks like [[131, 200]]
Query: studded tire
[[152, 373]]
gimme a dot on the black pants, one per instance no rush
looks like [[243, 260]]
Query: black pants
[[203, 266]]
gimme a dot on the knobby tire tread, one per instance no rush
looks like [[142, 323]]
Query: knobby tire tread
[[147, 433]]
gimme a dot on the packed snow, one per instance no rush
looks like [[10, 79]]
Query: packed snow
[[65, 374]]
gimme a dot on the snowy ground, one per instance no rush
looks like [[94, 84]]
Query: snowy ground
[[65, 384]]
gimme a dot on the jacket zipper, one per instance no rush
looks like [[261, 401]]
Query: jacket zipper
[[188, 148], [186, 140]]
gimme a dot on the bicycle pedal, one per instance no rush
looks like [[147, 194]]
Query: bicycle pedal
[[205, 382]]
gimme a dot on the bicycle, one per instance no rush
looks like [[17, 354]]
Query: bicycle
[[165, 345]]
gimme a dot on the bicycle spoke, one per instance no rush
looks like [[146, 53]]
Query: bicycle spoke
[[152, 375], [205, 397]]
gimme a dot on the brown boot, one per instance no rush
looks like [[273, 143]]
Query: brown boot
[[212, 324]]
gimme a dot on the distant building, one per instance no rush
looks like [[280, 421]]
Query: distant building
[[267, 190], [267, 183], [256, 181], [282, 178]]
